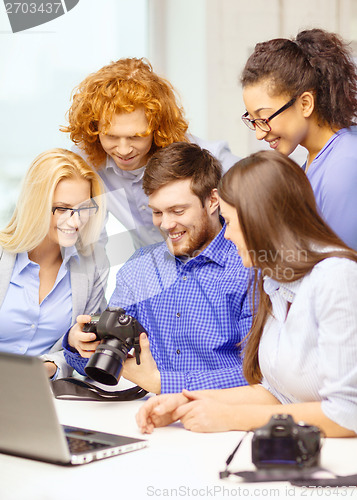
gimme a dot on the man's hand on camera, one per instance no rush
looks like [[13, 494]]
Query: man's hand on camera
[[84, 342], [145, 375]]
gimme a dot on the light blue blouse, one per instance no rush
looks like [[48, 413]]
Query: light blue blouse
[[27, 327], [311, 354], [333, 177]]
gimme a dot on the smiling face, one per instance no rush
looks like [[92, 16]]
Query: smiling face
[[122, 141], [69, 193], [288, 129], [234, 232], [187, 227]]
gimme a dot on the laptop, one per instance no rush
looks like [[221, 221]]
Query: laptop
[[29, 426]]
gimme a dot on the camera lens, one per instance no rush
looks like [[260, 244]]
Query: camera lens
[[106, 364]]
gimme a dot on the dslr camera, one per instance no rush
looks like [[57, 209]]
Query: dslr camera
[[119, 333], [284, 443]]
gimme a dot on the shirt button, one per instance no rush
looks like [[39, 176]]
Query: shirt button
[[178, 315], [184, 278], [32, 326], [178, 351], [143, 207]]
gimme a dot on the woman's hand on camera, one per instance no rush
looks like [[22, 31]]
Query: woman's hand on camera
[[83, 342]]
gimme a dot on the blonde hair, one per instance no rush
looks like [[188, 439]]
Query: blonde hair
[[30, 222], [122, 87]]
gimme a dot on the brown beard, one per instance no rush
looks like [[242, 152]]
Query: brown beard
[[197, 241]]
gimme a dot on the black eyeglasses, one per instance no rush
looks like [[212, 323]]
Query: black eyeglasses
[[84, 212], [263, 123]]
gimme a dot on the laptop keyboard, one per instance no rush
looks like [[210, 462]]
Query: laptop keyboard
[[82, 446]]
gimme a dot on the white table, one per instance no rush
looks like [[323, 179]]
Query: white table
[[176, 464]]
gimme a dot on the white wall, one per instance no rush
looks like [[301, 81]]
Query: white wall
[[39, 69], [205, 44], [199, 45], [177, 50]]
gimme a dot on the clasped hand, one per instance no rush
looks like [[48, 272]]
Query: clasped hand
[[196, 411]]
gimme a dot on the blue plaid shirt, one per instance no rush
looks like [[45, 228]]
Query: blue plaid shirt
[[195, 313]]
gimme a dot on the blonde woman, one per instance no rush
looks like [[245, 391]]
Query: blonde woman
[[49, 266]]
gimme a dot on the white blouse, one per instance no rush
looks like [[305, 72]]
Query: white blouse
[[311, 353]]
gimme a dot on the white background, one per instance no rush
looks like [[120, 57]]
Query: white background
[[199, 45]]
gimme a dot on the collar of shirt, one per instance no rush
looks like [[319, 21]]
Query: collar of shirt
[[68, 253], [286, 291], [280, 295], [23, 270], [22, 259], [134, 175], [329, 143]]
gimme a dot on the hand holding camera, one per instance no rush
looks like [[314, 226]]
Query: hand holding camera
[[118, 333], [107, 339], [147, 374], [83, 341]]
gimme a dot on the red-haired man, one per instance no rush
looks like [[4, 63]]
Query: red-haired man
[[119, 117]]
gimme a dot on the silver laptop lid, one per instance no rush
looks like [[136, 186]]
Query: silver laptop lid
[[29, 424]]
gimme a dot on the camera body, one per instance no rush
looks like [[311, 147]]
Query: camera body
[[284, 443], [119, 333]]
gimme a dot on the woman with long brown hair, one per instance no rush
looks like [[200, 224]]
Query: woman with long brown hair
[[300, 355]]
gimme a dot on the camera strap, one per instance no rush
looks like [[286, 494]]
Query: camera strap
[[313, 477], [80, 390], [327, 481], [274, 474]]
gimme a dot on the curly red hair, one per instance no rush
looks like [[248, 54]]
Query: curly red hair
[[121, 87]]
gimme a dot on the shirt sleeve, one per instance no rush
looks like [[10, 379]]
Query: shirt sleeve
[[58, 358], [72, 357], [225, 156], [337, 323], [172, 381], [339, 204], [122, 295], [244, 316]]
